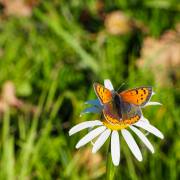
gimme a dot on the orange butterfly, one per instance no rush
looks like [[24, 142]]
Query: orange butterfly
[[125, 106]]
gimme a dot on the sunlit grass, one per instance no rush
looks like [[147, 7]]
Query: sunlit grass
[[53, 61]]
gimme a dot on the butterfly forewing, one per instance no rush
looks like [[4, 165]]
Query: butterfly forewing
[[103, 93], [138, 96]]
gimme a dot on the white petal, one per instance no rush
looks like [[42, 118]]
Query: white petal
[[94, 102], [152, 103], [90, 110], [132, 144], [153, 93], [143, 138], [115, 148], [108, 84], [149, 128], [84, 125], [101, 140], [143, 119], [91, 135]]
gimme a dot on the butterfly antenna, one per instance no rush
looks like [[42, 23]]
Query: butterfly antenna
[[120, 86]]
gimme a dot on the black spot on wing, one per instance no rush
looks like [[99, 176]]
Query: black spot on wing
[[145, 89]]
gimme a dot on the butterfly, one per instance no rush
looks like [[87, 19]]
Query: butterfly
[[124, 106]]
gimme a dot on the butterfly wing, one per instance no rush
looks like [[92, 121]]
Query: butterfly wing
[[111, 113], [103, 94], [138, 96], [130, 113]]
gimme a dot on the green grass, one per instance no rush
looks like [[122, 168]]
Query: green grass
[[53, 60]]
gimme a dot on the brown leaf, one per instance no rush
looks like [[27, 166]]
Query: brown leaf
[[8, 95], [117, 23], [3, 106], [91, 162], [162, 56], [18, 7], [8, 99]]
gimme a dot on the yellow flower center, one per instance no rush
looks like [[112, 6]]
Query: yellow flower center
[[115, 126]]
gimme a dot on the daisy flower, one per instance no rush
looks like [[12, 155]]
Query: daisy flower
[[105, 129]]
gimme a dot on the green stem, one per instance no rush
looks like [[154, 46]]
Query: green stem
[[110, 168]]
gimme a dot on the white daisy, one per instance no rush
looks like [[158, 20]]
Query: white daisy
[[104, 130]]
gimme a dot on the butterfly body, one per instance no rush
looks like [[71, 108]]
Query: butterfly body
[[112, 109], [117, 103], [125, 106]]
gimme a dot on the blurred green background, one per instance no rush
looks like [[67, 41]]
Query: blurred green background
[[51, 52]]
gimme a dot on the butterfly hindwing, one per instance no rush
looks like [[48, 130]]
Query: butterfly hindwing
[[104, 94], [121, 112], [138, 96], [130, 113], [111, 113]]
